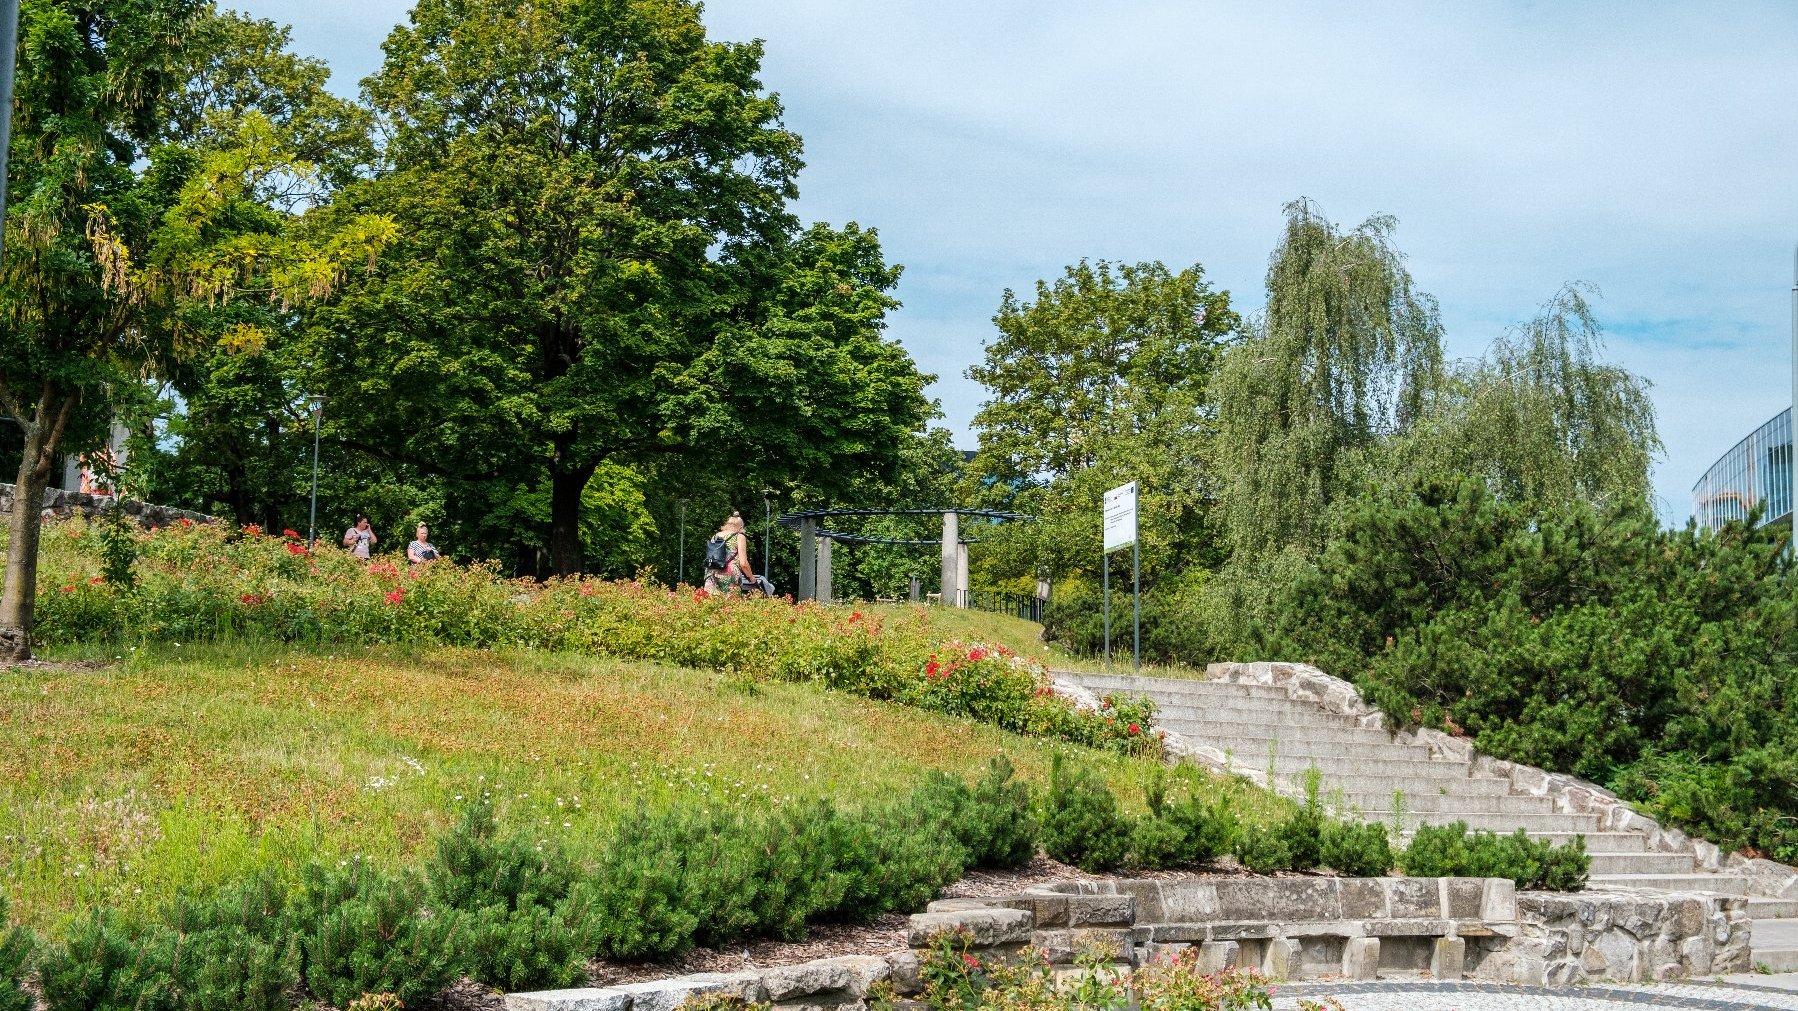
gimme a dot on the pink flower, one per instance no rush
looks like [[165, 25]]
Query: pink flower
[[970, 961]]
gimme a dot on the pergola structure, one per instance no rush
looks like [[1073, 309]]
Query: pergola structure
[[815, 541]]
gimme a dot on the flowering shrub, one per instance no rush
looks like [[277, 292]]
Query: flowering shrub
[[195, 583]]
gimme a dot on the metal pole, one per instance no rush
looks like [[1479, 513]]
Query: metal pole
[[767, 526], [682, 565], [1792, 457], [1105, 566], [318, 410], [9, 49], [1136, 593]]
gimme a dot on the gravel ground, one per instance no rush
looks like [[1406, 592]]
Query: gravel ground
[[1425, 996]]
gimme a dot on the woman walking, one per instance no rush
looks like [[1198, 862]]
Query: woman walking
[[727, 558]]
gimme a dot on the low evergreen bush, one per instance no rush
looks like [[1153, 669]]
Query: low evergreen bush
[[530, 947], [103, 966], [1082, 824], [1450, 851], [1264, 850], [1355, 849], [364, 931], [18, 947]]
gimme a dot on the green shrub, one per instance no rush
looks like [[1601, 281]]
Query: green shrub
[[1082, 824], [236, 950], [1155, 844], [474, 868], [993, 820], [1207, 829], [102, 966], [635, 907], [527, 947], [903, 856], [363, 931], [1301, 834], [1449, 851], [1263, 850], [1358, 850], [17, 949]]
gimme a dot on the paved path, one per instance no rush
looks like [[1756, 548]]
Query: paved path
[[1757, 993]]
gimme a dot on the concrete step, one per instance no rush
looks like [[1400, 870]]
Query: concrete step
[[1171, 688], [1722, 884], [1599, 842], [1249, 749], [1443, 807], [1416, 791], [1294, 767], [1501, 823], [1773, 909], [1775, 944], [1285, 731], [1608, 864], [1263, 715]]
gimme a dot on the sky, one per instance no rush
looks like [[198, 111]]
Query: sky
[[1650, 150]]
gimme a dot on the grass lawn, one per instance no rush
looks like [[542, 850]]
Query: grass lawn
[[1026, 637], [176, 767]]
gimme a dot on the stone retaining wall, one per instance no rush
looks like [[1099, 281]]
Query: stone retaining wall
[[1290, 928], [61, 504]]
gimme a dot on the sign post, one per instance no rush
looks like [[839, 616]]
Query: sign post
[[1120, 532]]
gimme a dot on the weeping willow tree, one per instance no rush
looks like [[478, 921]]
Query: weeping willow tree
[[1542, 418], [1347, 353]]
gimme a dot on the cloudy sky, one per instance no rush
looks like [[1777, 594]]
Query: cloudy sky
[[1651, 150]]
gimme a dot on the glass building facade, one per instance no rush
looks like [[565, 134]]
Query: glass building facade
[[1758, 469]]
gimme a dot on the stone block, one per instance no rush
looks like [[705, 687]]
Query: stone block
[[789, 981], [1498, 901], [1361, 958], [1168, 932], [1242, 931], [1448, 958], [1048, 910], [1065, 946], [1282, 959], [990, 927], [1148, 893], [905, 972], [1216, 956], [668, 994], [863, 971], [1405, 928], [1278, 899], [1157, 952], [1412, 898], [1194, 901], [1363, 898], [1102, 911], [584, 999], [1464, 897]]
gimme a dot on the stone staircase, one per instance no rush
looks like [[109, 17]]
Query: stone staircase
[[1263, 731]]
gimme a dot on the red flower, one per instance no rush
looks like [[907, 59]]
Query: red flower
[[96, 581], [184, 521], [700, 594], [68, 589], [252, 530], [296, 549], [977, 655], [857, 616], [931, 669], [395, 596], [1134, 729], [253, 599], [291, 532], [971, 961]]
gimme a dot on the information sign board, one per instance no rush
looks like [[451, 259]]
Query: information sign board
[[1120, 517]]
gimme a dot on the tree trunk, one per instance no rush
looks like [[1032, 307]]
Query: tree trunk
[[565, 489], [18, 594]]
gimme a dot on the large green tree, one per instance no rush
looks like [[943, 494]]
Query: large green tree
[[122, 246], [1347, 352], [599, 268]]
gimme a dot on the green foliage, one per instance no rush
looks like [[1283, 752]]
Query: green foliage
[[18, 949], [103, 966], [474, 868], [1207, 829], [1082, 823], [1264, 850], [531, 947], [1355, 849], [993, 820], [1449, 851], [364, 931], [236, 952], [1301, 834]]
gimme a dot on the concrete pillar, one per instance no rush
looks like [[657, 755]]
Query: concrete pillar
[[917, 590], [1216, 956], [951, 564], [1042, 598], [1284, 959], [1448, 960], [1361, 958], [961, 575], [808, 559], [823, 576]]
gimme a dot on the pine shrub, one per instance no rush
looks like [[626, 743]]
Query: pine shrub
[[1356, 849], [1449, 851], [635, 907], [529, 947], [904, 856], [474, 868], [103, 966], [1207, 830], [363, 931], [993, 820], [1155, 844], [1264, 850], [1082, 824], [17, 948], [236, 950]]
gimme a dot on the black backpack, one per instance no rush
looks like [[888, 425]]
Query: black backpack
[[718, 553]]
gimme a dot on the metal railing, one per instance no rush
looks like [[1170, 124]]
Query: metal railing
[[1018, 605]]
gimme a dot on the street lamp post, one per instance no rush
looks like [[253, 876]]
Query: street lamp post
[[317, 403], [682, 565]]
